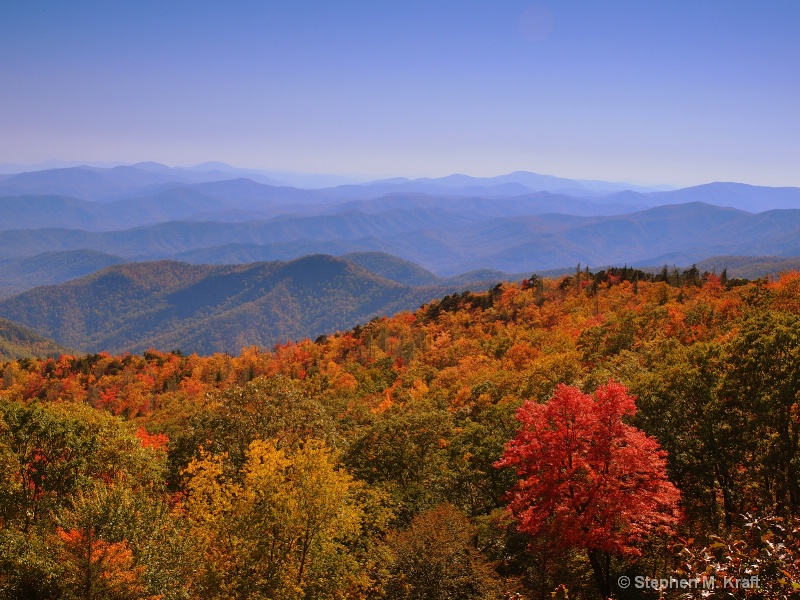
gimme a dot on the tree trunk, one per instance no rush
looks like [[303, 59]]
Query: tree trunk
[[601, 564]]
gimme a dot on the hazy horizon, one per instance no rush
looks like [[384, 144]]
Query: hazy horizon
[[16, 168], [662, 93]]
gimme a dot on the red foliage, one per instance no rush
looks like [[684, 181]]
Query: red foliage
[[588, 480], [156, 441], [108, 397]]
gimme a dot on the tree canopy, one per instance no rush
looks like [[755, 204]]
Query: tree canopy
[[587, 479]]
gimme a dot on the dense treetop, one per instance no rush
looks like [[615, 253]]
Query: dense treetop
[[318, 469]]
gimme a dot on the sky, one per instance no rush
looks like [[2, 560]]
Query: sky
[[646, 91]]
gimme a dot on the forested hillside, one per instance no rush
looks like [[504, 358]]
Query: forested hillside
[[170, 305], [654, 427], [19, 342], [750, 267], [21, 274]]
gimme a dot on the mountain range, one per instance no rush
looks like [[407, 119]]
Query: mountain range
[[446, 242], [213, 257], [520, 221]]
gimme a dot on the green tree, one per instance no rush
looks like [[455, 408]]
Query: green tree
[[763, 381], [402, 452], [704, 436], [60, 456]]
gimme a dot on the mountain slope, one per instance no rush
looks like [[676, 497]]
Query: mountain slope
[[19, 342], [42, 212], [750, 267], [164, 239], [393, 268], [538, 203], [18, 275], [204, 308]]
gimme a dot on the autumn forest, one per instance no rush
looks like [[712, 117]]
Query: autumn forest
[[399, 300], [544, 438]]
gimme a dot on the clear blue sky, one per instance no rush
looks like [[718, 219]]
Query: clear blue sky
[[647, 91]]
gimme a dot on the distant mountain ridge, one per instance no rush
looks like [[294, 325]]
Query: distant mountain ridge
[[519, 222], [148, 193], [525, 180], [217, 171], [21, 274], [446, 242], [745, 197], [243, 200], [98, 183]]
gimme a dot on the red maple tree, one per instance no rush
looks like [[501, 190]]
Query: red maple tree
[[587, 479]]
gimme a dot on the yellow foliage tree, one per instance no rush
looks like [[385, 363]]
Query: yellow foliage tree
[[278, 528]]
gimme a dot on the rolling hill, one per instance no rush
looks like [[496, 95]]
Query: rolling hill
[[18, 275], [750, 267], [211, 308], [19, 342], [447, 242], [21, 274]]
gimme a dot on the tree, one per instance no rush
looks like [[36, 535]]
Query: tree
[[706, 436], [57, 449], [763, 382], [401, 453], [587, 480], [123, 541], [279, 528], [98, 560], [435, 557]]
